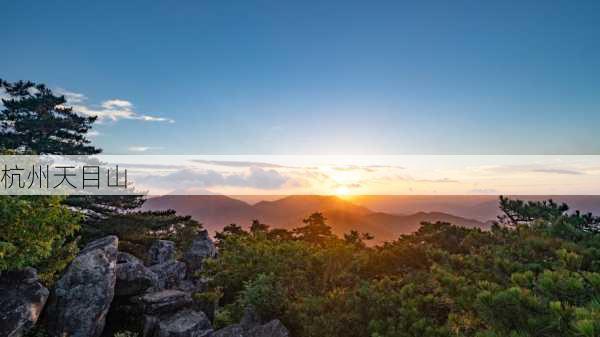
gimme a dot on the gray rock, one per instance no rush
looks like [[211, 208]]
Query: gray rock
[[188, 286], [133, 277], [165, 301], [202, 247], [123, 257], [169, 274], [82, 296], [250, 319], [187, 323], [234, 330], [22, 299], [161, 251], [272, 329]]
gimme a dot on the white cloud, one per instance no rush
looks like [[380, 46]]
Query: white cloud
[[93, 133], [117, 103], [109, 110], [71, 97], [143, 148]]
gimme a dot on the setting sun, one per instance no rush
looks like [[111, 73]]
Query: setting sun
[[342, 191]]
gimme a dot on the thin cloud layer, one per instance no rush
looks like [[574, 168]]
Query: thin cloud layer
[[558, 171], [234, 163], [533, 168], [256, 177], [143, 148]]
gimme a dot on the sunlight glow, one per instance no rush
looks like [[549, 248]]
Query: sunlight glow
[[342, 191]]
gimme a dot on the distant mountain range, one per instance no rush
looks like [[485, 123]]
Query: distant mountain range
[[479, 207], [216, 211]]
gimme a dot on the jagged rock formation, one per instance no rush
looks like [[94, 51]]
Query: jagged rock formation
[[161, 251], [22, 298], [186, 323], [164, 308], [169, 273], [82, 296], [164, 301], [132, 276], [202, 247], [104, 291]]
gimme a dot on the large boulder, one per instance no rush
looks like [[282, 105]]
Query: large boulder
[[22, 298], [190, 286], [82, 296], [234, 330], [202, 247], [161, 251], [250, 319], [169, 274], [272, 329], [186, 323], [165, 301], [133, 277]]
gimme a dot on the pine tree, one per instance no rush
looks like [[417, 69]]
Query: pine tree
[[316, 229], [36, 121]]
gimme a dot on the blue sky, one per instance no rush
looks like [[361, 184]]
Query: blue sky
[[319, 77]]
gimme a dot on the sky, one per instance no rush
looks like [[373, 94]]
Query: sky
[[318, 77]]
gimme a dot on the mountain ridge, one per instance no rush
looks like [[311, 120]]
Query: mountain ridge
[[217, 211]]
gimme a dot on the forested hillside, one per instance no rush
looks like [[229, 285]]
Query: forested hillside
[[536, 273]]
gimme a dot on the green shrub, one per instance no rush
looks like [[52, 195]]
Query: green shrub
[[36, 231]]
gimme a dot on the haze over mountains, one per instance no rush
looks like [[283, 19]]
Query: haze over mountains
[[480, 207], [385, 217], [216, 211]]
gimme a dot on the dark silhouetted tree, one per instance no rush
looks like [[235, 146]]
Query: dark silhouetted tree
[[36, 121], [316, 229]]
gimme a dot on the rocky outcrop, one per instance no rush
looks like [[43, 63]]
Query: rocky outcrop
[[133, 277], [161, 251], [22, 298], [102, 282], [155, 300], [150, 295], [202, 247], [165, 301], [187, 323], [169, 274], [82, 296], [191, 286]]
